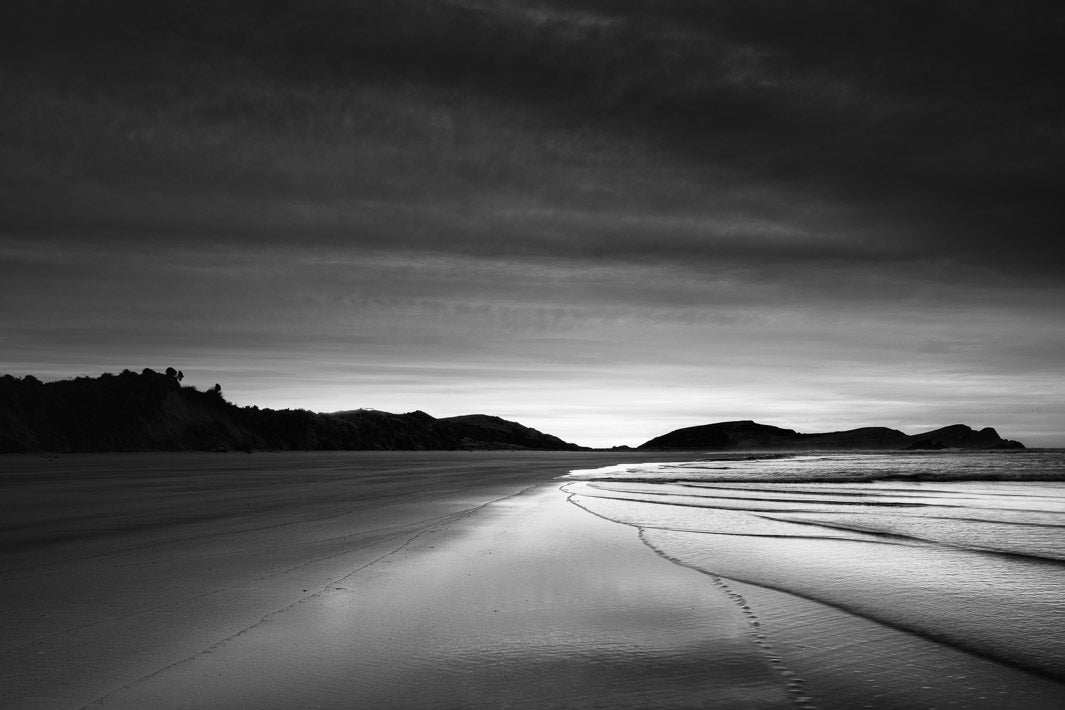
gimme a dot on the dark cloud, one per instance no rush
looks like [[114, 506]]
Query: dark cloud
[[941, 120], [946, 111], [823, 182]]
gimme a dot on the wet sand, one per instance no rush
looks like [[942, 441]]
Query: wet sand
[[341, 580], [528, 603], [849, 662], [408, 580]]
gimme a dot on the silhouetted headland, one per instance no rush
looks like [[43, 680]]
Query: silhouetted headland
[[153, 411], [751, 435]]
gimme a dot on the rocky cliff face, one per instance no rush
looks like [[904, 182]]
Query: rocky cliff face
[[741, 435], [152, 411]]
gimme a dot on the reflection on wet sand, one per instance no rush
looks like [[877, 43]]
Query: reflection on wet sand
[[531, 603]]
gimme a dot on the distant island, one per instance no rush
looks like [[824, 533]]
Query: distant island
[[740, 435], [154, 411]]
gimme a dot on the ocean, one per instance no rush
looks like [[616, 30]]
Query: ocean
[[965, 551]]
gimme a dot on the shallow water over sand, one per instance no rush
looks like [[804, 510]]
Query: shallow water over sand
[[961, 549]]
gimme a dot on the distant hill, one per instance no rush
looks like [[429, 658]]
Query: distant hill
[[750, 435], [477, 429], [152, 411]]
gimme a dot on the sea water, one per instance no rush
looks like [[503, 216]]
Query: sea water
[[966, 550]]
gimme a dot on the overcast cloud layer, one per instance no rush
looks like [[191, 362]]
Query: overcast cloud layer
[[605, 219]]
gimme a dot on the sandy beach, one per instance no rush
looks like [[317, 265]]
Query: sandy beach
[[321, 580], [456, 580]]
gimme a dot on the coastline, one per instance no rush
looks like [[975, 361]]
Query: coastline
[[425, 579], [885, 593]]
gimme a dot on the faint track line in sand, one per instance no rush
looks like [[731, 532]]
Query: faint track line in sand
[[793, 684], [960, 645], [428, 527], [81, 627], [418, 524], [161, 543]]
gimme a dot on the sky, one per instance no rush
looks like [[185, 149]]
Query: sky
[[603, 219]]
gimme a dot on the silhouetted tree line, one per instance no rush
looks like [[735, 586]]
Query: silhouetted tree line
[[152, 411]]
